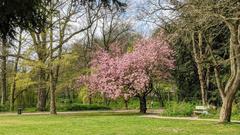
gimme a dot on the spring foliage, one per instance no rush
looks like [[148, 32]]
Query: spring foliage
[[117, 74]]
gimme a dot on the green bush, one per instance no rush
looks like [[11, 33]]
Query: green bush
[[178, 109], [235, 109], [3, 108], [30, 109], [81, 107]]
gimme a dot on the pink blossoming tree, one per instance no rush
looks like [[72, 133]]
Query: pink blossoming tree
[[116, 74]]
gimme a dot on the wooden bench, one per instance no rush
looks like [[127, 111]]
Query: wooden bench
[[200, 110]]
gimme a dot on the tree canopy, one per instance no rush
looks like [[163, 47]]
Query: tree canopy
[[21, 13]]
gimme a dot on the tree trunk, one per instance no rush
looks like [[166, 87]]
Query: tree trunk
[[53, 80], [42, 93], [13, 87], [202, 85], [89, 99], [52, 94], [198, 56], [40, 44], [160, 98], [126, 104], [4, 71], [143, 104], [106, 100], [226, 110], [229, 92]]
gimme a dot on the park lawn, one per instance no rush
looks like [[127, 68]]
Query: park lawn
[[109, 124]]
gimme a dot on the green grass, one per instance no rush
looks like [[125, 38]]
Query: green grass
[[109, 124]]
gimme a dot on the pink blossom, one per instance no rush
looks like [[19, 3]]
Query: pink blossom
[[117, 74]]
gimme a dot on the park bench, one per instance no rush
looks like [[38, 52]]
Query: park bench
[[200, 110]]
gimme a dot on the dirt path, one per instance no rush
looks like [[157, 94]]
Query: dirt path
[[183, 118]]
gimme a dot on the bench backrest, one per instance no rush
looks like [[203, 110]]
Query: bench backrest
[[201, 108]]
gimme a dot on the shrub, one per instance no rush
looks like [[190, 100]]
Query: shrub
[[30, 109], [81, 107], [235, 109], [178, 109], [3, 108]]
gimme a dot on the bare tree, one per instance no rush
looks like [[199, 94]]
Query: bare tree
[[212, 12]]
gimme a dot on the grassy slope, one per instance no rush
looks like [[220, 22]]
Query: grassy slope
[[108, 124]]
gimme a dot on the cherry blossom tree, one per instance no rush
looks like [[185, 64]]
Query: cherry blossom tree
[[129, 74]]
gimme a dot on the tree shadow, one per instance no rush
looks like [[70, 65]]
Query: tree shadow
[[228, 123], [84, 114]]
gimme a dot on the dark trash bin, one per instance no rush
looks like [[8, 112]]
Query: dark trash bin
[[19, 110]]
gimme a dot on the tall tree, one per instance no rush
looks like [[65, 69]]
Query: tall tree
[[212, 13], [27, 14], [131, 74], [15, 69], [226, 12]]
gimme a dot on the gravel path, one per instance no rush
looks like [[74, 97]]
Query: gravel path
[[183, 118]]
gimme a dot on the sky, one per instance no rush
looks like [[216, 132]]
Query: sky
[[134, 10], [131, 16]]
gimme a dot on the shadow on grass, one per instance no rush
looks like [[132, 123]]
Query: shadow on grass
[[84, 114], [228, 123]]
